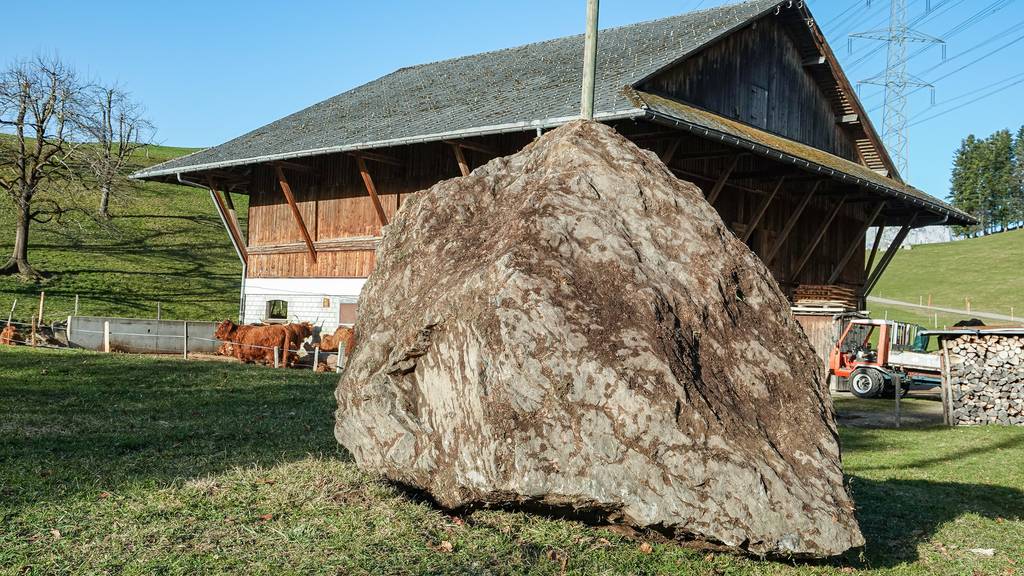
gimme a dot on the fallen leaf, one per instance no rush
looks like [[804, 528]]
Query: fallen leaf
[[847, 570], [603, 542], [445, 546], [104, 495], [709, 557], [646, 548], [266, 517], [458, 521], [55, 533], [266, 481]]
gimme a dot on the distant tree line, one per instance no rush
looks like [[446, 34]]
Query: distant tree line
[[988, 182], [59, 136]]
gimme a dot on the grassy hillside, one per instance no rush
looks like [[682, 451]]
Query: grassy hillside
[[164, 244], [989, 271]]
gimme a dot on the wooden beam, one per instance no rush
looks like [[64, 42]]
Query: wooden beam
[[474, 146], [461, 159], [756, 221], [708, 155], [875, 248], [817, 240], [294, 167], [666, 156], [231, 222], [234, 215], [858, 244], [790, 224], [876, 275], [353, 244], [372, 190], [722, 179], [375, 157], [287, 189]]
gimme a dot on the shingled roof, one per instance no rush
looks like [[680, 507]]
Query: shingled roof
[[536, 85]]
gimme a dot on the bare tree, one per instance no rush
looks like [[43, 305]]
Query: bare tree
[[40, 112], [117, 128]]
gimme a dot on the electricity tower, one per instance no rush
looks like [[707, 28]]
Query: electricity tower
[[896, 79]]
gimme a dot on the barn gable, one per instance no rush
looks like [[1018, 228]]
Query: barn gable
[[774, 74]]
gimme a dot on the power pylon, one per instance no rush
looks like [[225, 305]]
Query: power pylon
[[896, 79]]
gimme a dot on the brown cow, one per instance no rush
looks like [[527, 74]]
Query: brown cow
[[297, 334], [8, 335], [253, 343], [333, 342]]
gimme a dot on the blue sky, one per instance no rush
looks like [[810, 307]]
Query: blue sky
[[211, 70]]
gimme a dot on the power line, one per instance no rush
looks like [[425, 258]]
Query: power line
[[971, 102]]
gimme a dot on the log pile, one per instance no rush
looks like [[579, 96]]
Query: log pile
[[986, 376]]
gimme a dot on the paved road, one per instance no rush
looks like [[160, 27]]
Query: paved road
[[985, 315]]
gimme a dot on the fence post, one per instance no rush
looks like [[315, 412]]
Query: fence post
[[277, 356], [184, 329], [316, 357], [42, 299], [158, 311], [32, 338], [106, 336], [898, 393], [341, 359], [67, 331], [11, 315], [76, 304]]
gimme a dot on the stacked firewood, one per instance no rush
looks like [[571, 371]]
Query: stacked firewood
[[986, 377]]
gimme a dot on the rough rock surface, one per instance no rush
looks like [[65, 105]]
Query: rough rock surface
[[572, 326]]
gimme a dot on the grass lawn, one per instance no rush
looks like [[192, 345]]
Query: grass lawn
[[989, 271], [164, 244], [132, 465]]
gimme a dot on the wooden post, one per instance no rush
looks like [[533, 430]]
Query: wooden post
[[67, 331], [790, 224], [10, 315], [371, 189], [76, 304], [890, 253], [461, 159], [590, 60], [722, 180], [765, 204], [32, 337], [296, 213], [316, 357], [42, 299], [666, 157], [858, 244], [184, 332], [898, 392], [947, 389], [277, 356], [159, 312], [817, 239], [106, 336]]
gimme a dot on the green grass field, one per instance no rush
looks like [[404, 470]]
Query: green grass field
[[164, 244], [131, 465], [989, 271]]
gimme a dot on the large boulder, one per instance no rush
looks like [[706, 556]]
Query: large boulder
[[572, 326]]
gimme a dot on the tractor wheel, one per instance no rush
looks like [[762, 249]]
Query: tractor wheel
[[866, 383]]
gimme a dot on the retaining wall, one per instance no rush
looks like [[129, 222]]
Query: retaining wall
[[141, 336], [986, 380]]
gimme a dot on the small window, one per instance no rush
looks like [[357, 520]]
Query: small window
[[277, 310], [347, 314]]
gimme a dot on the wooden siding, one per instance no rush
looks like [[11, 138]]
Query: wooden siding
[[731, 77]]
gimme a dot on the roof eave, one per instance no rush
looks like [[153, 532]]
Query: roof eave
[[157, 172], [952, 216]]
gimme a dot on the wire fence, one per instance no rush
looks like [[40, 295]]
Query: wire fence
[[280, 354]]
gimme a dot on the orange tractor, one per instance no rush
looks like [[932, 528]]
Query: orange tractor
[[878, 357]]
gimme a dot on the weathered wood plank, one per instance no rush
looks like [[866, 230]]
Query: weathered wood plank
[[372, 190], [722, 180], [287, 189], [857, 244], [790, 224], [817, 239]]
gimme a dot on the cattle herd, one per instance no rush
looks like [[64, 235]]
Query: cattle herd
[[277, 344]]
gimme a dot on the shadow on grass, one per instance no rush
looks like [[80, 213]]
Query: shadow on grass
[[86, 423], [897, 515]]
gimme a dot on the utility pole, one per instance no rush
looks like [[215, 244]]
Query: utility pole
[[896, 79], [590, 60]]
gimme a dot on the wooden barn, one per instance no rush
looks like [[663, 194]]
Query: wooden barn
[[745, 100]]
